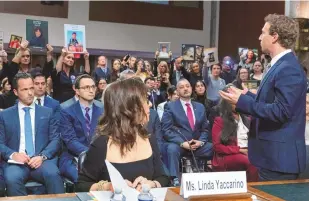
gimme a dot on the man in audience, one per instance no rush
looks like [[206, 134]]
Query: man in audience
[[228, 74], [176, 72], [29, 138], [184, 126], [131, 66], [214, 83], [154, 95], [276, 145], [102, 70], [78, 124], [40, 96]]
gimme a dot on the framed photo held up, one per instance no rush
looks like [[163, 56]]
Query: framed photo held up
[[164, 48], [188, 52], [211, 56], [75, 38], [15, 41], [199, 53], [37, 33]]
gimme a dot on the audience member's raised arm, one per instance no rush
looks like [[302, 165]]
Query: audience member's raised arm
[[87, 63]]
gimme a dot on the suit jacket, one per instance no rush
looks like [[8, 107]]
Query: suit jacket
[[71, 101], [277, 140], [221, 150], [98, 74], [154, 127], [54, 105], [73, 128], [175, 120], [47, 140]]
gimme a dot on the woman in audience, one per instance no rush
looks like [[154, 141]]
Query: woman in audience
[[148, 68], [6, 86], [101, 85], [122, 139], [194, 75], [242, 75], [305, 173], [64, 75], [230, 141], [200, 95], [115, 70], [171, 96], [257, 71], [248, 61], [140, 69]]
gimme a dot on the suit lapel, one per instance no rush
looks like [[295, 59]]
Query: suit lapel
[[96, 112], [16, 118], [183, 114], [270, 71], [46, 101], [37, 115], [196, 113], [80, 116]]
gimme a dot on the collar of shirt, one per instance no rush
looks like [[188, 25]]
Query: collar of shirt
[[84, 109], [278, 56], [42, 98], [104, 69], [21, 106], [183, 103], [76, 98]]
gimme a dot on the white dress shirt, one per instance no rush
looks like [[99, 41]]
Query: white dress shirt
[[242, 134], [183, 103], [42, 100], [160, 109], [278, 56], [21, 113]]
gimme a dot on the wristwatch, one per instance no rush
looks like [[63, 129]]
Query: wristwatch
[[44, 158], [202, 144]]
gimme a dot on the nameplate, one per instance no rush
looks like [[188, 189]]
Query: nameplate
[[213, 183]]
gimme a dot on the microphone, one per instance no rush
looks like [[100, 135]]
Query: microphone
[[193, 156]]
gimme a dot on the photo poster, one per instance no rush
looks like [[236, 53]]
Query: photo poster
[[199, 53], [188, 65], [188, 52], [37, 33], [243, 51], [211, 56], [1, 40], [75, 38], [164, 48], [15, 41]]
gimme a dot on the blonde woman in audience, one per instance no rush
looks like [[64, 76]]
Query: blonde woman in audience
[[123, 140]]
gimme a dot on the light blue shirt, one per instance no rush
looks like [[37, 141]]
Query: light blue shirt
[[104, 69], [84, 110]]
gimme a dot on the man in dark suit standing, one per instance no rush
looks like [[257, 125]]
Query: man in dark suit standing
[[101, 71], [40, 96], [184, 126], [29, 142], [276, 142], [78, 124]]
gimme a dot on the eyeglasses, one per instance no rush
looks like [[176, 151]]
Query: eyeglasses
[[87, 88]]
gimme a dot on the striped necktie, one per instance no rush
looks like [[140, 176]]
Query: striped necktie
[[88, 122]]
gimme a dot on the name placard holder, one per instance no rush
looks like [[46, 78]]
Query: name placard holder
[[197, 185]]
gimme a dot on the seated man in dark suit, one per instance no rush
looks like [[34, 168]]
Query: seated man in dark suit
[[184, 126], [78, 125], [29, 137], [40, 96]]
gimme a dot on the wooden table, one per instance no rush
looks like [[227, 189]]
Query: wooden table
[[173, 193]]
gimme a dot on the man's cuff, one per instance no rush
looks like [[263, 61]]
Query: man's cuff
[[11, 156]]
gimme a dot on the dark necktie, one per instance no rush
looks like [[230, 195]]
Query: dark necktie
[[28, 132], [190, 116], [88, 123], [39, 101]]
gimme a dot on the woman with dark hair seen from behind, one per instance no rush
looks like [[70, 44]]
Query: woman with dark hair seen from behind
[[230, 141], [171, 96], [257, 71], [242, 75], [101, 85], [122, 139], [116, 69], [200, 95]]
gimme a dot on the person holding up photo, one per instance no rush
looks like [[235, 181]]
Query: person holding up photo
[[64, 75]]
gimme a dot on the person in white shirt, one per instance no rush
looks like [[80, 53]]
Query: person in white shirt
[[171, 96]]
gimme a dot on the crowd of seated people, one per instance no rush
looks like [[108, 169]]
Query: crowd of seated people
[[141, 118]]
